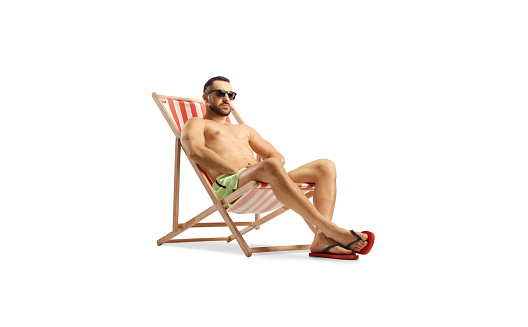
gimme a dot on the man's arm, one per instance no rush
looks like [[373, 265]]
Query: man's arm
[[193, 141], [262, 147]]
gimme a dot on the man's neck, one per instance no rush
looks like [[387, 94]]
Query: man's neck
[[214, 117]]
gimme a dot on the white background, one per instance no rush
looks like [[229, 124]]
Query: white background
[[421, 105]]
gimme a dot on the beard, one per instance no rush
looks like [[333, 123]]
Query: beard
[[219, 111]]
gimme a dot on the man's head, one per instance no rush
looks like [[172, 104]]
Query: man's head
[[218, 95]]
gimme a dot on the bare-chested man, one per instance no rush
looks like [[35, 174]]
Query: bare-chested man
[[226, 152]]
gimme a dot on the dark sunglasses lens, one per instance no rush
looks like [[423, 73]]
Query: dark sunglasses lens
[[220, 93], [231, 95]]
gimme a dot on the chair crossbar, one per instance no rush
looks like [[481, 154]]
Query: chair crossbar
[[208, 239], [217, 224], [279, 248], [204, 214]]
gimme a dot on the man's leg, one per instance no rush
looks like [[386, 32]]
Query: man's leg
[[271, 171], [323, 173]]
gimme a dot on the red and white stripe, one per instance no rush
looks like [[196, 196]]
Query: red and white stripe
[[261, 199], [182, 111]]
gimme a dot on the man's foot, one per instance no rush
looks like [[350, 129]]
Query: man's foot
[[345, 237], [321, 242]]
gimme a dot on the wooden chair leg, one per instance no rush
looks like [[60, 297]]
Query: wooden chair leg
[[234, 230], [176, 200]]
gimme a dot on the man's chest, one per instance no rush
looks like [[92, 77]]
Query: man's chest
[[223, 133]]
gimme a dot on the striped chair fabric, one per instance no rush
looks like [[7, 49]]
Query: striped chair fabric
[[184, 110], [261, 199], [258, 200]]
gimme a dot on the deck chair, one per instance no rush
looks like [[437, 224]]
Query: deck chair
[[255, 198]]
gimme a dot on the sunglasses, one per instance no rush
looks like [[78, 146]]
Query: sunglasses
[[221, 93]]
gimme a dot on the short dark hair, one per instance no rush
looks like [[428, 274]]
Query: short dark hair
[[216, 78]]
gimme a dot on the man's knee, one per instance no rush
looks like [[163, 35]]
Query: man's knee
[[272, 166], [326, 167]]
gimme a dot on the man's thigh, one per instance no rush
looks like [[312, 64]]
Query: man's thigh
[[257, 172], [306, 173]]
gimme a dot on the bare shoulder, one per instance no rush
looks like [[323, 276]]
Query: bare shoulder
[[193, 129], [194, 124], [249, 129], [195, 120], [252, 132]]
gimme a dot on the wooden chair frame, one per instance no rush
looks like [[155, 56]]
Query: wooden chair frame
[[218, 205]]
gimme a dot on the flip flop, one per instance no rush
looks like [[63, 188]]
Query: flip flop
[[369, 245], [326, 254]]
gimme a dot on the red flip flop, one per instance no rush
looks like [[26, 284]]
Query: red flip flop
[[367, 248], [325, 254]]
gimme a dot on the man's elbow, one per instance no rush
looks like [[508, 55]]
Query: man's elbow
[[282, 160], [194, 153], [279, 157]]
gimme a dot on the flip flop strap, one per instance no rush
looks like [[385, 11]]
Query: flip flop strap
[[325, 251], [358, 239]]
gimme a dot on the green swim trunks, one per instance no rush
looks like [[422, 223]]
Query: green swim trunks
[[226, 184]]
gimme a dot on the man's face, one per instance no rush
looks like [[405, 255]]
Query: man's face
[[220, 106]]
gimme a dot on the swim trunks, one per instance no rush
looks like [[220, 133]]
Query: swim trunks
[[226, 184]]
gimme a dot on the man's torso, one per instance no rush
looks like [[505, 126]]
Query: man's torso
[[229, 141]]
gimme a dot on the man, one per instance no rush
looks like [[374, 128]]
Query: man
[[225, 152]]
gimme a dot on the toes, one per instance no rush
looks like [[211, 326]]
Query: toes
[[364, 237], [359, 246]]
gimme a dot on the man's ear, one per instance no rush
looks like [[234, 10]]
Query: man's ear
[[205, 97]]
